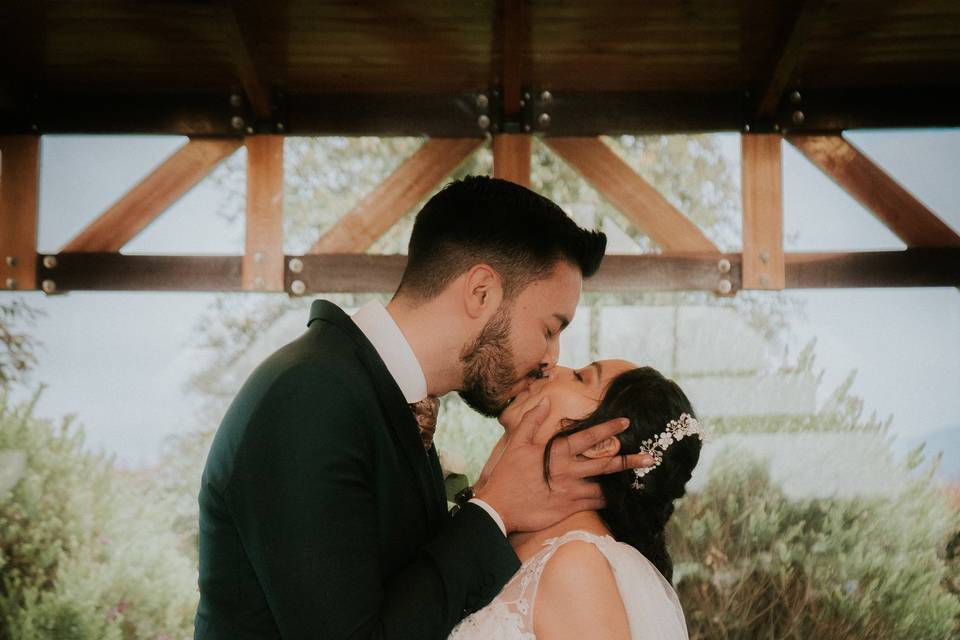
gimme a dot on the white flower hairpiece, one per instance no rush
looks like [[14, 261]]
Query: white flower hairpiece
[[685, 425]]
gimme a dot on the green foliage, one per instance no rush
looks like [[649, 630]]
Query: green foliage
[[17, 347], [753, 564], [86, 551]]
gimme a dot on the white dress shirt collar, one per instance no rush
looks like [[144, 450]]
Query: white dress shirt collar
[[382, 331]]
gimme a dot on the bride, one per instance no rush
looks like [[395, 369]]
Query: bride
[[600, 574]]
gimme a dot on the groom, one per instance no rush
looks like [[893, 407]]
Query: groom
[[322, 507]]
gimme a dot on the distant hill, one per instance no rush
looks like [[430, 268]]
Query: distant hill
[[947, 440]]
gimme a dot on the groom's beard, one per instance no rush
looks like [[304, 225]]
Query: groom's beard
[[488, 371]]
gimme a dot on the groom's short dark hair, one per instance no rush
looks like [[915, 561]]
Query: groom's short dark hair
[[479, 219]]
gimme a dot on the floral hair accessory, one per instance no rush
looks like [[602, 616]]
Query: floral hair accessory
[[685, 425]]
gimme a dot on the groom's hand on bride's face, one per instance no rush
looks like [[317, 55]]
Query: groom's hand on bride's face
[[516, 487]]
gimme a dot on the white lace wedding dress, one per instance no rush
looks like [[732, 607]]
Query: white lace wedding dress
[[653, 609]]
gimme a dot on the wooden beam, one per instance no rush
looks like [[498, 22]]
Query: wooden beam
[[779, 65], [511, 157], [893, 205], [762, 191], [119, 272], [632, 195], [19, 185], [515, 34], [263, 258], [238, 35], [152, 196], [924, 267], [408, 185]]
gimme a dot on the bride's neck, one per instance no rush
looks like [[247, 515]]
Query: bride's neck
[[527, 544]]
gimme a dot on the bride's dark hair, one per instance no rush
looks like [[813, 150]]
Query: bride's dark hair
[[638, 516]]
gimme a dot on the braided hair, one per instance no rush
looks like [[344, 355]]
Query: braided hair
[[638, 517]]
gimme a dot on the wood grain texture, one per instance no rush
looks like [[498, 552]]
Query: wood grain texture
[[152, 196], [19, 184], [883, 196], [762, 191], [263, 258], [511, 157], [240, 37], [632, 195], [403, 189]]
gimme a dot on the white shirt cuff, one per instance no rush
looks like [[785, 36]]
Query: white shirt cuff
[[493, 513]]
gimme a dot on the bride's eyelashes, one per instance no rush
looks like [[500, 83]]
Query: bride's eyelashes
[[577, 375]]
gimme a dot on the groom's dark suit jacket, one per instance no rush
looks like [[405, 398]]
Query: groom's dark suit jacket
[[321, 516]]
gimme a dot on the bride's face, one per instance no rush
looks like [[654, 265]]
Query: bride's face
[[573, 394]]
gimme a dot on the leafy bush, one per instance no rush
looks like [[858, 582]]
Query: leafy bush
[[86, 551], [753, 564]]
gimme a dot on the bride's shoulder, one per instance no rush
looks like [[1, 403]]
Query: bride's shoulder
[[578, 595]]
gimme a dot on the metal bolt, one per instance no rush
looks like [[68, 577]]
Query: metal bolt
[[11, 283], [776, 127], [526, 127], [546, 97], [764, 256], [484, 122], [544, 120], [723, 266], [724, 287], [34, 127], [523, 102], [298, 288], [11, 261], [764, 280], [258, 257], [236, 100], [746, 128], [249, 130], [258, 282], [50, 262], [296, 265], [526, 95], [795, 97], [797, 117], [236, 122], [483, 101], [48, 286], [280, 126]]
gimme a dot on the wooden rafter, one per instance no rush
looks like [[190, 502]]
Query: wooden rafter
[[883, 196], [263, 257], [762, 191], [408, 185], [782, 61], [632, 195], [19, 180], [511, 157], [237, 33], [152, 196]]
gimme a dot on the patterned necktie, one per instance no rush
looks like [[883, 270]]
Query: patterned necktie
[[425, 412]]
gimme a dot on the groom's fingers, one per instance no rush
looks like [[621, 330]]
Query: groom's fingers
[[583, 440], [614, 464], [531, 420]]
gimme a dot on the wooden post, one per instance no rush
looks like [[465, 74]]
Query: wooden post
[[762, 188], [263, 258], [19, 184], [511, 157]]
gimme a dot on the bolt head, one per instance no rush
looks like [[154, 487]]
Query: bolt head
[[546, 97], [723, 266], [776, 127], [725, 286], [797, 117], [544, 120], [249, 130], [483, 101], [483, 122], [11, 261], [258, 257], [297, 287], [48, 286], [295, 265], [258, 283], [764, 256], [746, 128], [795, 97], [281, 127], [236, 100], [11, 283], [236, 122], [764, 280], [50, 262]]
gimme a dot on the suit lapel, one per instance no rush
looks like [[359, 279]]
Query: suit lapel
[[393, 406]]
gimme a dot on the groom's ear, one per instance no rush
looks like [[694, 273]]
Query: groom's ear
[[482, 291], [604, 449]]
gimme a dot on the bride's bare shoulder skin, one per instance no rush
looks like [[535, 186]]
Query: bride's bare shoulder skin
[[578, 597]]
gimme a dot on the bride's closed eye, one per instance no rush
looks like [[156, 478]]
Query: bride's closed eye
[[577, 375]]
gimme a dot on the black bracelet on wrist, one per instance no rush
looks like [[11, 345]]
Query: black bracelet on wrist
[[463, 497]]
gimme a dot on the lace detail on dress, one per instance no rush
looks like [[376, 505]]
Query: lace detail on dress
[[510, 615]]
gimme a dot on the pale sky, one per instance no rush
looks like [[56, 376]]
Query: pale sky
[[120, 360]]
